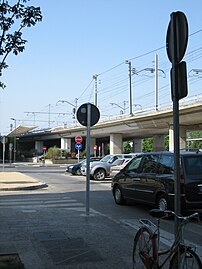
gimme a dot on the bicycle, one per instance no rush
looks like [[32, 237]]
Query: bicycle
[[146, 251]]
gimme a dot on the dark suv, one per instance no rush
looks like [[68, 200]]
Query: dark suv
[[149, 179]]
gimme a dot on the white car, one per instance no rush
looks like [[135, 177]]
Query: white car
[[117, 166]]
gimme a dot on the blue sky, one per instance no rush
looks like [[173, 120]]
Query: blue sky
[[80, 38]]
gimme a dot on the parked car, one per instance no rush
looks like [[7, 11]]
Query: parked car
[[100, 170], [75, 168], [149, 179], [118, 165]]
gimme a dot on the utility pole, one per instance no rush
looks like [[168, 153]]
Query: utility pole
[[49, 115], [95, 89], [130, 86]]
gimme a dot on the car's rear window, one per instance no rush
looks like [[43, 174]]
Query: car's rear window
[[193, 165]]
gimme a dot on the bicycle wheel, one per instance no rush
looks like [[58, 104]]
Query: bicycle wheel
[[144, 249], [189, 260]]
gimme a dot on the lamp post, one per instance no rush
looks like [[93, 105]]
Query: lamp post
[[14, 142], [74, 106], [195, 73], [123, 108]]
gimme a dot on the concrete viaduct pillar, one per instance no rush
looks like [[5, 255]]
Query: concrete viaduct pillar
[[65, 144], [158, 143], [116, 143], [92, 144], [38, 146], [137, 145], [182, 134]]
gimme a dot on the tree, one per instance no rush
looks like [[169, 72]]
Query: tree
[[53, 153], [196, 142], [147, 144], [13, 18]]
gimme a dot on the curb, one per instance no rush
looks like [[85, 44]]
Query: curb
[[41, 186]]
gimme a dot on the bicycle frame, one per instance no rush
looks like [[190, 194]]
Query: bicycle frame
[[176, 246]]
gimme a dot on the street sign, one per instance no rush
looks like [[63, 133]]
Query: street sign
[[78, 139], [177, 37], [78, 146], [82, 114], [181, 86], [95, 147]]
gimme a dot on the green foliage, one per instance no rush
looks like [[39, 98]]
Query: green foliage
[[53, 153], [127, 147], [147, 144], [16, 16], [195, 143], [166, 141]]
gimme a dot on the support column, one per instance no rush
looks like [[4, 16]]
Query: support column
[[38, 146], [65, 144], [158, 143], [116, 143], [137, 145], [92, 144], [182, 134], [171, 138]]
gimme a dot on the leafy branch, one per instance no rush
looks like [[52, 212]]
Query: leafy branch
[[13, 18]]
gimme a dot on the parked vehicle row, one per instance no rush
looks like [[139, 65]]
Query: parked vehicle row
[[149, 179], [100, 170], [75, 169]]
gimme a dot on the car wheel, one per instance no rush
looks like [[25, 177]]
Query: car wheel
[[99, 174], [118, 196], [162, 202], [78, 172]]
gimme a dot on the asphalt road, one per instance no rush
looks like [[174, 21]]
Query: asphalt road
[[70, 191]]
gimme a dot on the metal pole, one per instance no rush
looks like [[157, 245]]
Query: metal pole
[[88, 159], [14, 150], [130, 88], [177, 200], [156, 82], [95, 89], [3, 141]]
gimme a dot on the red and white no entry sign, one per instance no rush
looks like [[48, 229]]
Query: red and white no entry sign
[[78, 139], [95, 147]]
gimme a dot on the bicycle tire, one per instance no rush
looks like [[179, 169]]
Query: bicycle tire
[[144, 249], [189, 259]]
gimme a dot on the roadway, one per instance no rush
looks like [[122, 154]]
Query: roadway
[[43, 225]]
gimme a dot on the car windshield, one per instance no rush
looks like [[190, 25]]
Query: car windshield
[[106, 158], [193, 165], [119, 162]]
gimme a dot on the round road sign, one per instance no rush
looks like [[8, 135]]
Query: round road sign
[[82, 116], [95, 147], [78, 146], [177, 37], [78, 139]]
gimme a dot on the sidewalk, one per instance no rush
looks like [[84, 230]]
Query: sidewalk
[[15, 181], [52, 231]]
